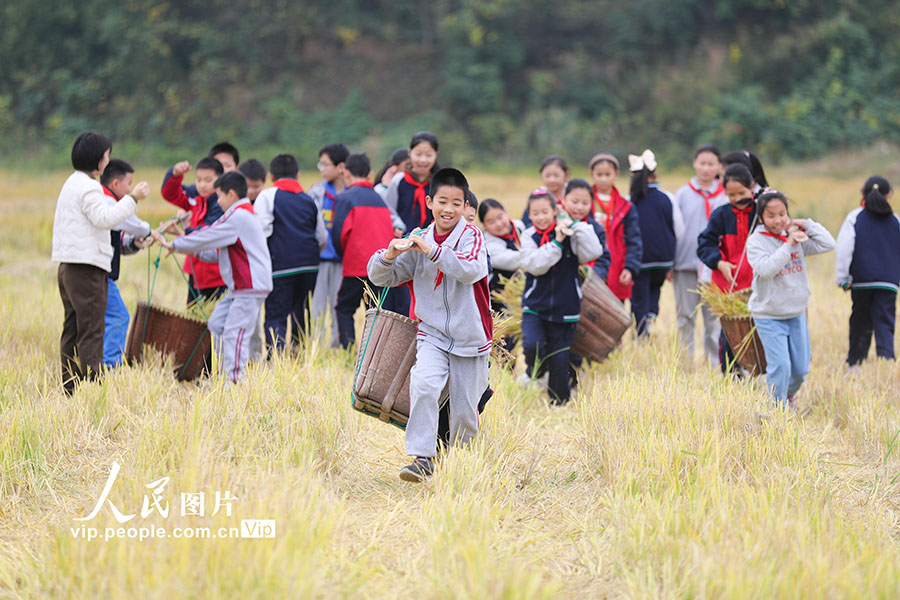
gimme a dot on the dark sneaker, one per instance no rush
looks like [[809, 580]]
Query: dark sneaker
[[420, 470]]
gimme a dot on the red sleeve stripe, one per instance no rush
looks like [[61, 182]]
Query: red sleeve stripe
[[476, 247]]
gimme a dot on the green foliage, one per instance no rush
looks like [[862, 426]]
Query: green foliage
[[504, 80]]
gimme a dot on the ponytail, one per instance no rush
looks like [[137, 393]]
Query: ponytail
[[875, 192], [639, 181]]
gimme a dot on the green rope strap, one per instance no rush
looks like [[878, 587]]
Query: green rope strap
[[151, 284]]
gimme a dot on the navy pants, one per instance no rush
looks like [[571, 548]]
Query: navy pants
[[874, 311], [289, 298], [645, 297], [348, 299], [547, 345]]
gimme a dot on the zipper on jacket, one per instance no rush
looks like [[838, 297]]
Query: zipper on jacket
[[447, 322]]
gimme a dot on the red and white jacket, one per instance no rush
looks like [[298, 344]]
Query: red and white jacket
[[236, 241]]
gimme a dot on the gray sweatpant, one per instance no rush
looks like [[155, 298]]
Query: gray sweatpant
[[235, 325], [686, 303], [324, 298], [468, 377]]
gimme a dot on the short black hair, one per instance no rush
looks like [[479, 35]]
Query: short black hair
[[578, 184], [284, 165], [232, 180], [338, 153], [471, 199], [225, 148], [358, 164], [88, 149], [554, 159], [711, 148], [486, 205], [451, 178], [116, 169], [540, 194], [253, 169], [210, 163]]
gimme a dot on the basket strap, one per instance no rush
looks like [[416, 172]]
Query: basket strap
[[193, 293], [151, 285], [365, 347], [191, 355]]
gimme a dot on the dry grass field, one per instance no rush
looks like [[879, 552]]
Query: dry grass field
[[658, 481]]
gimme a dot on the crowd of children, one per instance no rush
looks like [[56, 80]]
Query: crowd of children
[[302, 260]]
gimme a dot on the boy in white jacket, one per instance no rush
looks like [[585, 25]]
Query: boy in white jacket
[[236, 241], [447, 264], [82, 245], [776, 250]]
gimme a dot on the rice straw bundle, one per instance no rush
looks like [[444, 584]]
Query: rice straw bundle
[[511, 296], [723, 304]]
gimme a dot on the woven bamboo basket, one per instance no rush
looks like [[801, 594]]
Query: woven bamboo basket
[[603, 321], [385, 356], [185, 338], [745, 343]]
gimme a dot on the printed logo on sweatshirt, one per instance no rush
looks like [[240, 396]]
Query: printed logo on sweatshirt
[[793, 267]]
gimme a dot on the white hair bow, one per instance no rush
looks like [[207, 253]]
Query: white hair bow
[[638, 163]]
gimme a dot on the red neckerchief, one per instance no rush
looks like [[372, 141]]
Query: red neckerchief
[[707, 196], [743, 222], [609, 208], [248, 207], [440, 239], [782, 237], [419, 195], [289, 185], [545, 233], [109, 193], [513, 235], [365, 183]]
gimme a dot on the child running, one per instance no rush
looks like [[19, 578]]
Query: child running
[[621, 223], [551, 302], [447, 265], [868, 264], [776, 250]]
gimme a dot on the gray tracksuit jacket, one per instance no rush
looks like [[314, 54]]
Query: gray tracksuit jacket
[[236, 241], [450, 288], [780, 281]]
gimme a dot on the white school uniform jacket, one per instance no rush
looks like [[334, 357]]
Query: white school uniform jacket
[[450, 285], [84, 217], [236, 241]]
